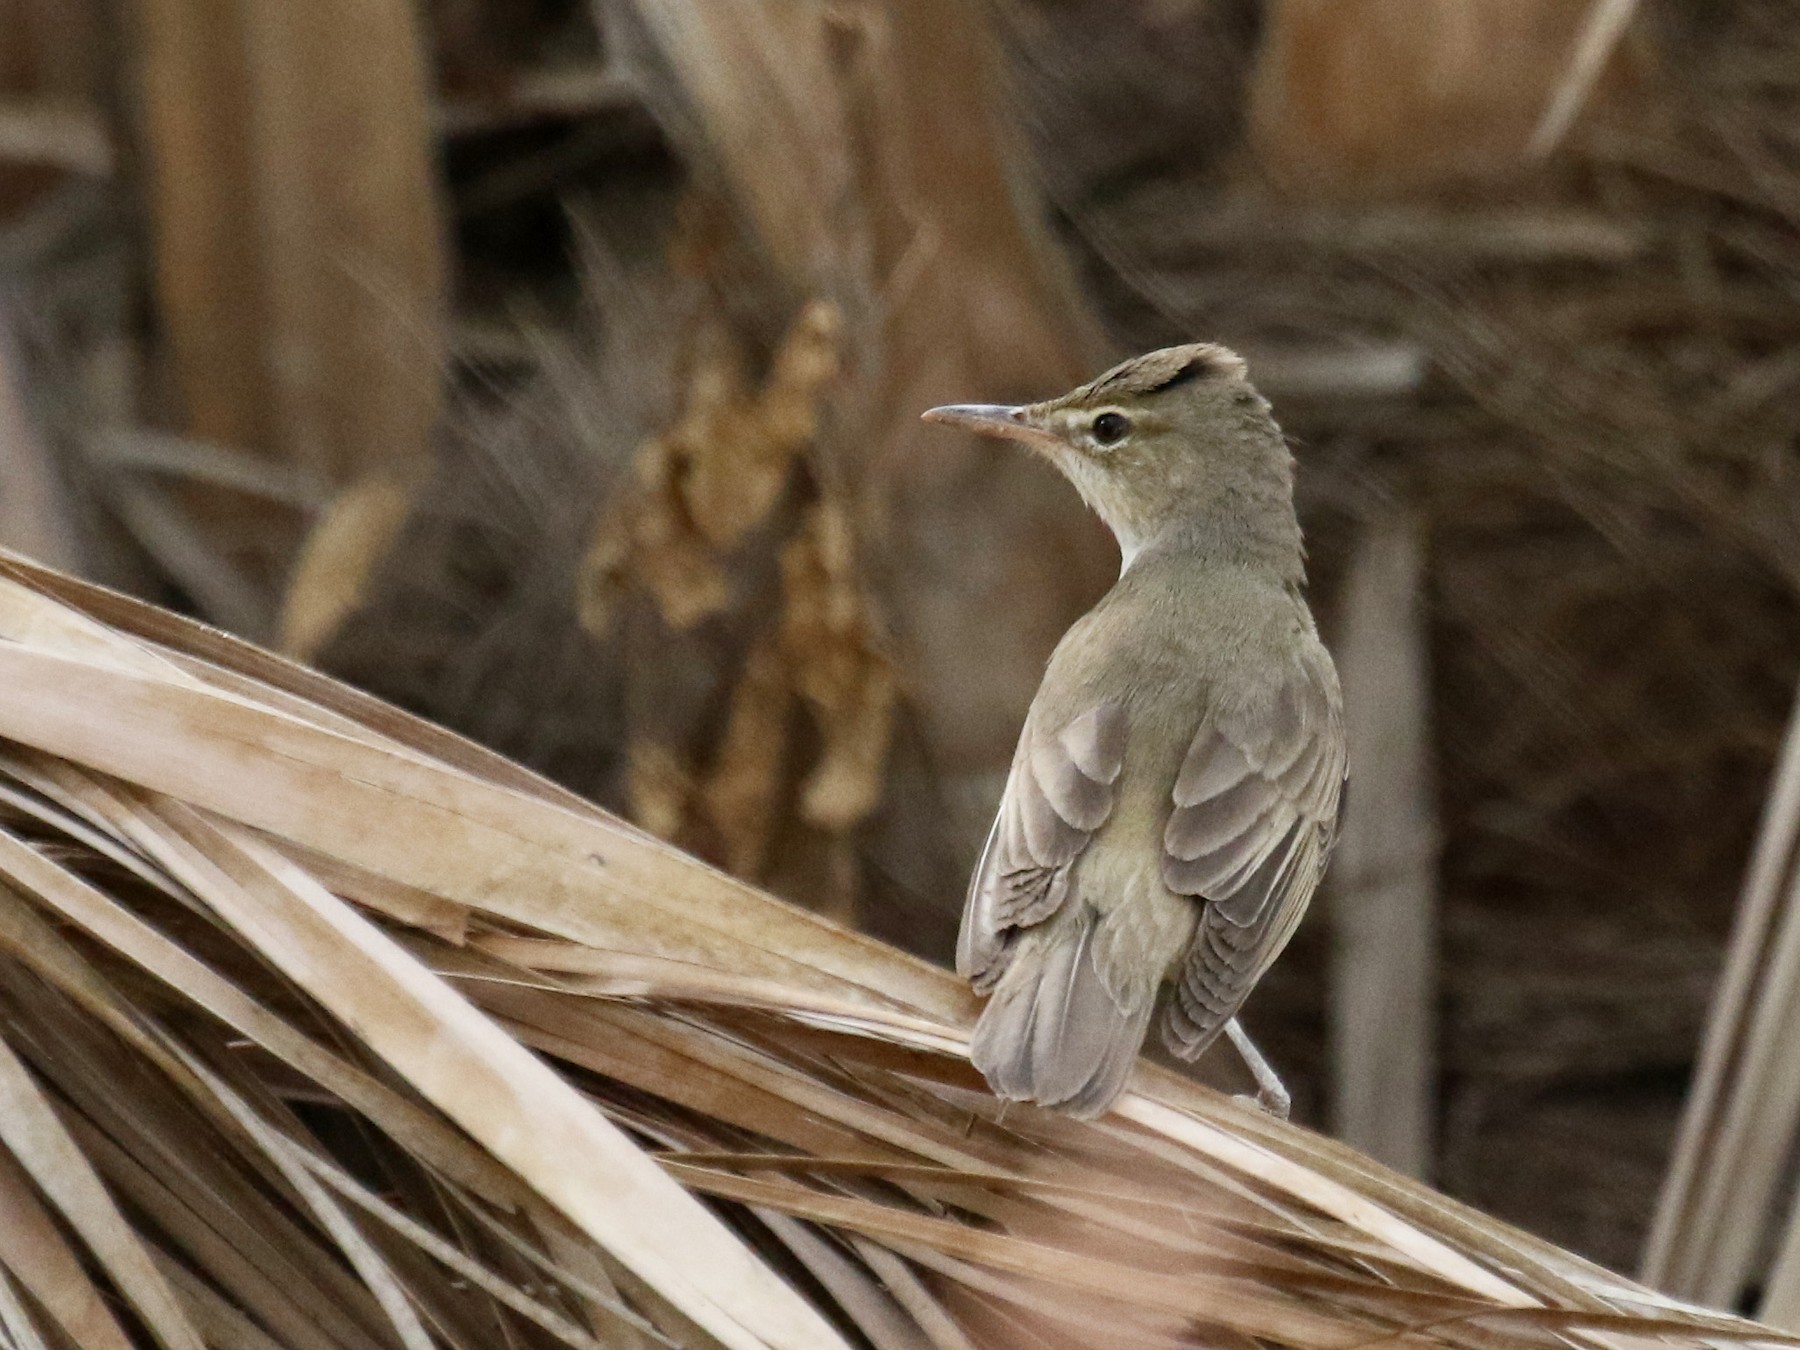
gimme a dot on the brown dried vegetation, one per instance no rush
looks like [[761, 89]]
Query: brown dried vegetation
[[685, 549]]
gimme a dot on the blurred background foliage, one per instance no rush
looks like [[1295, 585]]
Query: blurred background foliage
[[552, 369]]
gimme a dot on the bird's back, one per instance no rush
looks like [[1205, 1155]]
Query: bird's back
[[1234, 641], [1171, 799]]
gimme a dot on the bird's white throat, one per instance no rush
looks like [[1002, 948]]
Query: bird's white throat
[[1131, 545]]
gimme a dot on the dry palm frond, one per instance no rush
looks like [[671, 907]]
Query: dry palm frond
[[322, 1028]]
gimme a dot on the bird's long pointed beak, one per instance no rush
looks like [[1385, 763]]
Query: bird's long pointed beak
[[994, 419]]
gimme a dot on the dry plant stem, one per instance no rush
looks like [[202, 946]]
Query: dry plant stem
[[299, 264], [1758, 1124], [1707, 1223], [1383, 882], [332, 574]]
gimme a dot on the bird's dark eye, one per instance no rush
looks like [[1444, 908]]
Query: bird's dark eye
[[1110, 428]]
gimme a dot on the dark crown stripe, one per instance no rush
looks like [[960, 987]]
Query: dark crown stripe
[[1193, 370], [1166, 369]]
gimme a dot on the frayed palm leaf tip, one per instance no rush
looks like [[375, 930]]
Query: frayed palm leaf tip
[[323, 1028]]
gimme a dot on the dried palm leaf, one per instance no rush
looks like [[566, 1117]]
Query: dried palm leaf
[[320, 1027]]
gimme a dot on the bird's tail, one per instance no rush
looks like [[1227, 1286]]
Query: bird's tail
[[1053, 1033]]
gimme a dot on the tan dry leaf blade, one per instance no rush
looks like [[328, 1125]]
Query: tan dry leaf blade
[[264, 1105]]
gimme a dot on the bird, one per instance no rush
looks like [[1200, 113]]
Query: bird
[[1175, 792]]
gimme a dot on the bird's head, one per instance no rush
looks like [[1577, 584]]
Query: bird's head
[[1171, 439]]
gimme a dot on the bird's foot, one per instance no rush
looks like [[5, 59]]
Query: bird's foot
[[1274, 1103], [1271, 1095]]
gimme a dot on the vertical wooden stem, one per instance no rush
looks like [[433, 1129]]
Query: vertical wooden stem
[[299, 258], [1384, 900]]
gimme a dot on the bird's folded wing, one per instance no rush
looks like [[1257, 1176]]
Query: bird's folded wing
[[1059, 792], [1254, 811]]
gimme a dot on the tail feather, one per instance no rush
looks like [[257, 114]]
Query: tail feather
[[1052, 1033]]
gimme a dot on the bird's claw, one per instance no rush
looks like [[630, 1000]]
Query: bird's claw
[[1276, 1103]]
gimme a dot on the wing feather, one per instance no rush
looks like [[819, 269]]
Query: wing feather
[[1213, 766], [1253, 813], [1095, 743], [1050, 840], [1059, 792]]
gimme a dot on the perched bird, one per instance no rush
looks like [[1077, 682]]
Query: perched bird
[[1175, 790]]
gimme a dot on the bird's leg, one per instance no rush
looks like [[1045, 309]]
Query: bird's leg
[[1271, 1096]]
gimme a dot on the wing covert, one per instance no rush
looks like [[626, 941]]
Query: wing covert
[[1253, 815], [1060, 791]]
